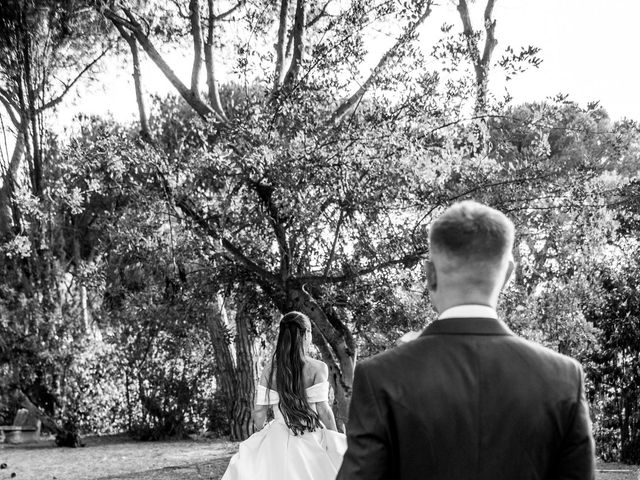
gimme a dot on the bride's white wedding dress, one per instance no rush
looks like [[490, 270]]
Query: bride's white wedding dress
[[275, 453]]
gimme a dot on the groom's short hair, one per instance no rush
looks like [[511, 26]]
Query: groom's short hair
[[471, 232]]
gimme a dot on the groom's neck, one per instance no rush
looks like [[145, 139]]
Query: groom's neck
[[454, 297]]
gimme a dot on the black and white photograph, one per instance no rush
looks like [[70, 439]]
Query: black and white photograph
[[319, 240]]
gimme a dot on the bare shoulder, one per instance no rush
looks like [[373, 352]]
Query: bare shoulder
[[317, 370], [316, 365]]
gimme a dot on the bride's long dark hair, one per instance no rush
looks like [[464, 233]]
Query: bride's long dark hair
[[288, 362]]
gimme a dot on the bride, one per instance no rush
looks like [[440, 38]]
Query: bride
[[301, 442]]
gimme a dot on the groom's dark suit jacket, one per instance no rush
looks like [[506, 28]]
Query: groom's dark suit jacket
[[468, 400]]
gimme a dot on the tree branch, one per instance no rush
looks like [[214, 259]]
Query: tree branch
[[137, 81], [212, 84], [333, 335], [265, 194], [55, 101], [350, 103], [280, 44], [194, 101], [199, 219], [334, 318], [224, 15], [335, 242], [321, 279], [469, 33], [10, 106], [320, 15], [298, 44], [490, 26], [192, 212], [178, 6], [196, 34], [482, 64]]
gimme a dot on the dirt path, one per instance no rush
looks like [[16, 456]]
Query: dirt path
[[113, 458], [119, 458]]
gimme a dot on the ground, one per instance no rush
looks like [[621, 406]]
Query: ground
[[119, 458]]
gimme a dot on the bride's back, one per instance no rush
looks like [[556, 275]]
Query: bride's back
[[311, 374]]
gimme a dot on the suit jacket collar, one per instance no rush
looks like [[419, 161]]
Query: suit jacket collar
[[467, 326]]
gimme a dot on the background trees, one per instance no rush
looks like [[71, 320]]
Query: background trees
[[44, 309], [281, 176]]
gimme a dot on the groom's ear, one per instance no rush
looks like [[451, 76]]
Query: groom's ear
[[507, 276], [432, 276]]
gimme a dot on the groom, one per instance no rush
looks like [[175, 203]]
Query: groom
[[468, 399]]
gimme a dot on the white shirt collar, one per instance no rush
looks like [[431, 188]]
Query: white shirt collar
[[469, 311]]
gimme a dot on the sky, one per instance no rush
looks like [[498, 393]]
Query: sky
[[589, 50]]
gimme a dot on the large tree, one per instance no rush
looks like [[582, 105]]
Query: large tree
[[300, 179], [46, 47]]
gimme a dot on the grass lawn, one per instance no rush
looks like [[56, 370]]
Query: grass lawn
[[119, 458]]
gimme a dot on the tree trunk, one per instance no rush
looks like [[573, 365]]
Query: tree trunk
[[33, 119], [82, 288], [246, 375], [235, 371], [212, 84], [196, 35], [9, 214], [299, 32], [280, 46], [341, 390], [137, 81], [145, 132]]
